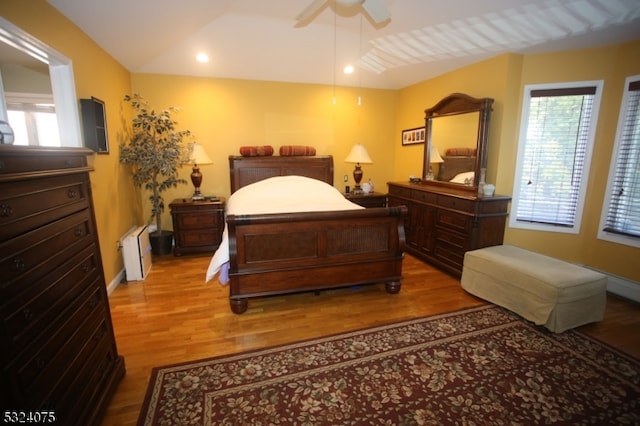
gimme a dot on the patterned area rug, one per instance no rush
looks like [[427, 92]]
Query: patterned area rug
[[475, 367]]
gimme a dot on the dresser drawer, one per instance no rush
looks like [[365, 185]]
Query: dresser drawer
[[37, 307], [90, 378], [52, 161], [38, 202], [423, 197], [202, 237], [451, 257], [456, 203], [453, 240], [399, 191], [456, 221], [31, 371], [31, 256], [204, 219]]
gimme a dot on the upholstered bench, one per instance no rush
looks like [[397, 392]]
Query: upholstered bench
[[541, 289]]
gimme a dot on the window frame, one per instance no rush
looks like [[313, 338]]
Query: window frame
[[602, 234], [520, 159]]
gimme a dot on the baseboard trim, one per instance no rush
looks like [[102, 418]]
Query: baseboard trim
[[622, 287], [116, 281]]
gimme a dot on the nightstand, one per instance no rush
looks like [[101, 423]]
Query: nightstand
[[197, 225], [371, 199]]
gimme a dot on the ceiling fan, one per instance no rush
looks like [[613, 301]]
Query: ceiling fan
[[374, 8]]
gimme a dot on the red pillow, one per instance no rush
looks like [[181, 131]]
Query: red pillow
[[297, 150], [256, 151]]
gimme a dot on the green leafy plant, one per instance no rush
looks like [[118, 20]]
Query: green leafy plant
[[155, 151]]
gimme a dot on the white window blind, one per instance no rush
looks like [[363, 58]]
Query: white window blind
[[623, 211], [549, 187]]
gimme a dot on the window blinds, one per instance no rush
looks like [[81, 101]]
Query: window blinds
[[554, 155], [623, 216]]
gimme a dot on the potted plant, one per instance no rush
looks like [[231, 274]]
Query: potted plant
[[155, 151]]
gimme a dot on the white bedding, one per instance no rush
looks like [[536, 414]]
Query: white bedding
[[281, 194]]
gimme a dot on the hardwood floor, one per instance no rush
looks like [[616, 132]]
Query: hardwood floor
[[173, 316]]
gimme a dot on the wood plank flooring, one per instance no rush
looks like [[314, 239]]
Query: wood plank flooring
[[173, 316]]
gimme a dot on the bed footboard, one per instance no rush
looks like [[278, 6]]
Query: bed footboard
[[291, 252]]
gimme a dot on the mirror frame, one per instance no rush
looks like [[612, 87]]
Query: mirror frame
[[62, 81], [455, 104]]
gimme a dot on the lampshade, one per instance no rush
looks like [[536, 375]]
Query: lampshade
[[434, 155], [358, 154], [198, 155]]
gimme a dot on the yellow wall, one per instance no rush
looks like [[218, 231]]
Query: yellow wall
[[96, 74], [503, 78], [612, 65], [225, 114]]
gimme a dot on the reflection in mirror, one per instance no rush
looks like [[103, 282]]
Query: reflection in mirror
[[38, 92], [451, 133], [456, 130]]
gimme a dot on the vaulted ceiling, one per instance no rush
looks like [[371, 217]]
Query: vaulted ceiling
[[262, 40]]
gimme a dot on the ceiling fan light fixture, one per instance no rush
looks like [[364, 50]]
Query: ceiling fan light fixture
[[376, 9]]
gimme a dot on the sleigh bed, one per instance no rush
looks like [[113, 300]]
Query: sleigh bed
[[287, 252]]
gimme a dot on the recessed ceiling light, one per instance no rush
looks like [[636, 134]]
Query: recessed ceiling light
[[202, 57], [348, 69]]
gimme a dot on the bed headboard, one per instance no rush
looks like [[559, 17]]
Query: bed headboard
[[455, 164], [247, 170]]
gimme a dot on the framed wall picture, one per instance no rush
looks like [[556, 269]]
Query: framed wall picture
[[413, 136]]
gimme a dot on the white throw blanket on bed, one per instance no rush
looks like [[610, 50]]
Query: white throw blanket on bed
[[282, 194]]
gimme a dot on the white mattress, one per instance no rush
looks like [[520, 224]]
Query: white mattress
[[281, 194]]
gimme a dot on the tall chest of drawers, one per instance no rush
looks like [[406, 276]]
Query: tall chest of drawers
[[444, 223], [59, 353]]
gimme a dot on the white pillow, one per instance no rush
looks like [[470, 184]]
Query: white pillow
[[464, 178]]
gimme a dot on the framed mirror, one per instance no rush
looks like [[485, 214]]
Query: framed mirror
[[37, 91], [455, 151]]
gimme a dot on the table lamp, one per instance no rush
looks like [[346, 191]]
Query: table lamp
[[434, 157], [358, 155]]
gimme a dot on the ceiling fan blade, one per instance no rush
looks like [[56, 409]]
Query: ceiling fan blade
[[311, 10], [376, 10]]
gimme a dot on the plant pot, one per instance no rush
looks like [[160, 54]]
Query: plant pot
[[161, 242]]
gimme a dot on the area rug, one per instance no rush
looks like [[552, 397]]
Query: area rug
[[479, 366]]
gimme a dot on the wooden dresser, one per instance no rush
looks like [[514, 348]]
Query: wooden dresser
[[444, 223], [59, 353]]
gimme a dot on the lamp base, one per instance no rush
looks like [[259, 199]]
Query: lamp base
[[196, 180]]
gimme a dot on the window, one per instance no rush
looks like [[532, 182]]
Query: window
[[620, 219], [33, 119], [554, 153]]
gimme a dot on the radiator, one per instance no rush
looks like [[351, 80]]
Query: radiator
[[136, 252]]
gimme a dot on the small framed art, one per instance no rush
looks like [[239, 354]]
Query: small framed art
[[413, 136]]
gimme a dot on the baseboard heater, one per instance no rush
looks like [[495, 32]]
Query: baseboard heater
[[136, 252]]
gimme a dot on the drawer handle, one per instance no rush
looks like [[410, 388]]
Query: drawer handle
[[99, 334], [72, 193], [78, 232], [93, 303], [5, 210], [18, 264], [68, 162], [40, 363], [27, 314], [85, 267]]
